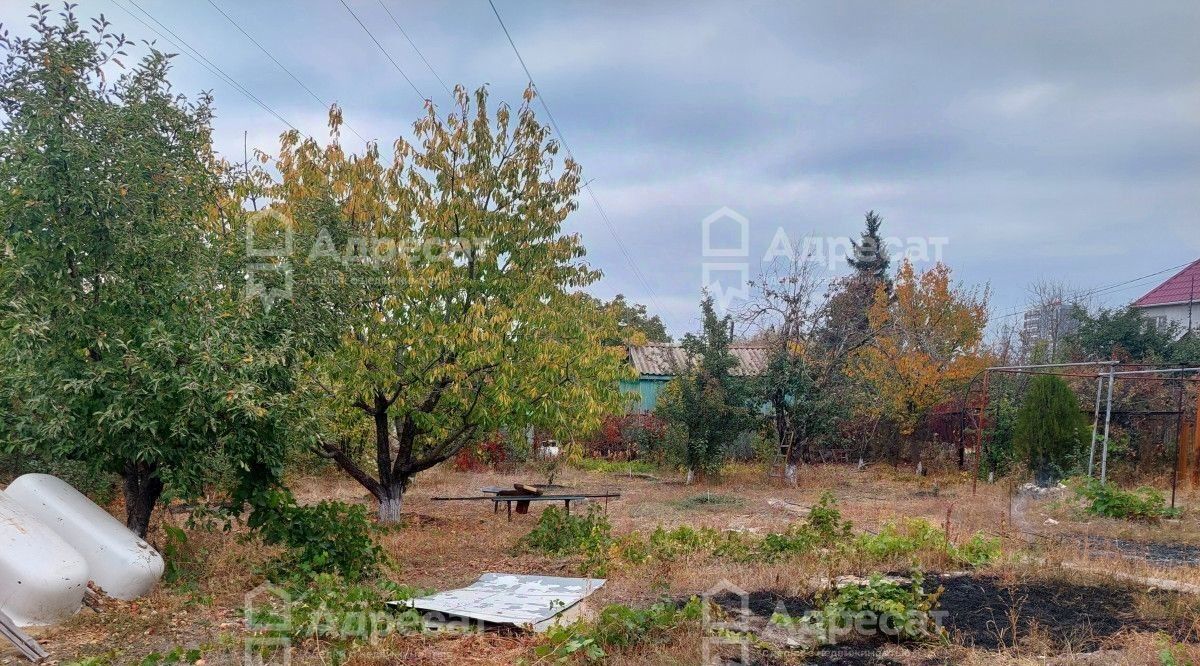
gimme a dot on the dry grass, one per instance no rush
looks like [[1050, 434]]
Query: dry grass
[[449, 544]]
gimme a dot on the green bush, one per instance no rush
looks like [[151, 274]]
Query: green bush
[[825, 521], [618, 626], [880, 602], [180, 558], [917, 535], [1105, 499], [899, 540], [325, 538], [977, 551], [557, 533], [1050, 431], [100, 486]]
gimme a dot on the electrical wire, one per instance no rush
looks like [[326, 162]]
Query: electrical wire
[[194, 54], [414, 47], [1105, 289], [586, 185], [386, 54], [324, 104]]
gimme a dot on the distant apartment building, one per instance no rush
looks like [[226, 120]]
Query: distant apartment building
[[1174, 303], [1050, 322]]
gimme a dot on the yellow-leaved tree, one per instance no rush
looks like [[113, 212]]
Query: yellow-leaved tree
[[927, 344], [439, 294]]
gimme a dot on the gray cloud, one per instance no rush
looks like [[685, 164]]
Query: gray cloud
[[1043, 139]]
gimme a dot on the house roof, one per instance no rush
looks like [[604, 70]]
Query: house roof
[[659, 358], [1183, 287]]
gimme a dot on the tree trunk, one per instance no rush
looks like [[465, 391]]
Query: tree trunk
[[389, 503], [142, 490]]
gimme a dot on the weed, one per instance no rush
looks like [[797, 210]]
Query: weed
[[338, 613], [880, 604], [325, 538], [1109, 501], [705, 500], [176, 656], [179, 557], [558, 533], [617, 626], [918, 535], [977, 551], [825, 521]]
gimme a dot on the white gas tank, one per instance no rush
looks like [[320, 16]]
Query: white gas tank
[[42, 578], [121, 563]]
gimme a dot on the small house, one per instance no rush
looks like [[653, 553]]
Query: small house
[[658, 363], [1174, 303]]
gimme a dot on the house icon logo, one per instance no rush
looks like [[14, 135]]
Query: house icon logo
[[725, 220], [267, 611], [725, 626]]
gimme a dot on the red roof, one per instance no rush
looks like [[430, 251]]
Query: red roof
[[1180, 289]]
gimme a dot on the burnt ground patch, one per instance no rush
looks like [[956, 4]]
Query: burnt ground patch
[[764, 603], [1162, 554], [981, 611]]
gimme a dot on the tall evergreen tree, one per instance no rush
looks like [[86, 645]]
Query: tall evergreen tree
[[871, 258], [1049, 432], [845, 322]]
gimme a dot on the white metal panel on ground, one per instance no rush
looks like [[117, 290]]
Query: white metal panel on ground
[[532, 601], [42, 577], [123, 565]]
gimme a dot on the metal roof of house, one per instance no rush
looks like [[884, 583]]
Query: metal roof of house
[[668, 359], [1183, 287]]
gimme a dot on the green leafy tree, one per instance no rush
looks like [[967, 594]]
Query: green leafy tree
[[1186, 350], [440, 294], [806, 408], [125, 347], [708, 401], [1124, 332], [1050, 430], [634, 324]]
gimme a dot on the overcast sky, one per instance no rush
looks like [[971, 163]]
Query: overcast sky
[[1036, 140]]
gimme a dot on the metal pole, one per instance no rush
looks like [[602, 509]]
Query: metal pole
[[1191, 305], [979, 433], [1157, 371], [1107, 422], [1052, 365], [1178, 441], [1095, 425]]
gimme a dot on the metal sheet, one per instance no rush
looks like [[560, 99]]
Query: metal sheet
[[498, 598]]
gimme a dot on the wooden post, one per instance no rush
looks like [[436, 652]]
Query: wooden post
[[24, 643], [979, 433], [1196, 437], [1183, 453]]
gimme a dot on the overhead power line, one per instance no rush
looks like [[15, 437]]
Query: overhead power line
[[324, 104], [414, 47], [187, 49], [1106, 289], [587, 186], [385, 52]]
